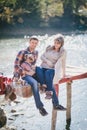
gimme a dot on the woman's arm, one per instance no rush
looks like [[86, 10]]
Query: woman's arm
[[64, 64], [60, 68], [46, 61], [17, 64], [43, 57]]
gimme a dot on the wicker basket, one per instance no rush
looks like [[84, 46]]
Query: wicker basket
[[24, 91]]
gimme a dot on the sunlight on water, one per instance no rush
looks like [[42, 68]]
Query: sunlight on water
[[76, 46]]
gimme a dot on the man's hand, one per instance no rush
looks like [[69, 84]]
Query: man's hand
[[31, 73], [33, 67]]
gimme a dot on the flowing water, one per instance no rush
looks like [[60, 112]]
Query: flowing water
[[76, 46]]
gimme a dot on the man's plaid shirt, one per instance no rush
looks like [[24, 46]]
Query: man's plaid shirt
[[20, 59]]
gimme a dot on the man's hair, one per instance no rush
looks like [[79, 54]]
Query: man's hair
[[34, 38]]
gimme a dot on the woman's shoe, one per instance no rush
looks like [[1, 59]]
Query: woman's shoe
[[49, 94], [43, 88], [59, 107]]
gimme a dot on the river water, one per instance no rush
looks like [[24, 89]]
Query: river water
[[76, 47]]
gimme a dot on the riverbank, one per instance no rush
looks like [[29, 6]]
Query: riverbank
[[21, 32], [30, 28], [64, 25]]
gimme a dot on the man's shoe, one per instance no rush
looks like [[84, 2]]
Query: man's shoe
[[43, 111], [59, 107]]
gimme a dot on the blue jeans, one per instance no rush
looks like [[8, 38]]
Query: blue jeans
[[34, 85], [45, 76]]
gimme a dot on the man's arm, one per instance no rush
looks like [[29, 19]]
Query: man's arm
[[17, 64]]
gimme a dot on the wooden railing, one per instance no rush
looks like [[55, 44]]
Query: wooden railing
[[75, 74]]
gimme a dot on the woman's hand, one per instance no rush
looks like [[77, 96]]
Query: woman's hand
[[49, 63]]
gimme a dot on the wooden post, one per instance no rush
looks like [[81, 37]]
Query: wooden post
[[54, 112], [54, 117], [68, 111]]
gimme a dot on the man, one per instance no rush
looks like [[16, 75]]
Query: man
[[18, 70]]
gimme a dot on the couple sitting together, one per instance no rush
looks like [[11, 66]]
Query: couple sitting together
[[48, 74]]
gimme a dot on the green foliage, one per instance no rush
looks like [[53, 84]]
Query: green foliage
[[7, 3], [40, 9], [51, 8], [72, 6]]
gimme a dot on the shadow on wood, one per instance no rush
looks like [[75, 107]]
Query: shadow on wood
[[68, 123]]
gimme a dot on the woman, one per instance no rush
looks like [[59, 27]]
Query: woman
[[48, 74]]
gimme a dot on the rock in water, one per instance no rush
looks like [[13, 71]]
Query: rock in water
[[3, 118]]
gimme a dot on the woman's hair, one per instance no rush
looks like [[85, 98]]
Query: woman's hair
[[60, 39]]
